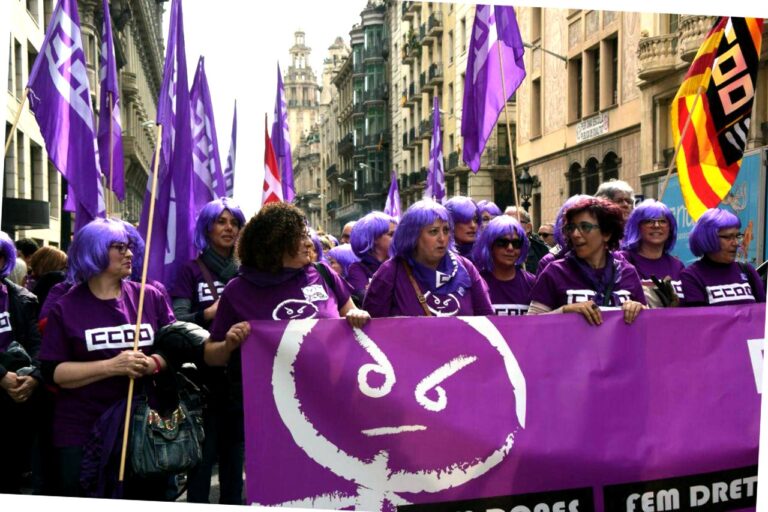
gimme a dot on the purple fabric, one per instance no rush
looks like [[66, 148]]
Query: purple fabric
[[667, 265], [562, 283], [82, 327], [6, 331], [54, 296], [546, 260], [450, 276], [483, 95], [392, 205], [174, 222], [191, 284], [391, 294], [281, 141], [360, 273], [229, 170], [705, 282], [207, 180], [109, 87], [435, 186], [60, 98], [510, 298], [661, 398]]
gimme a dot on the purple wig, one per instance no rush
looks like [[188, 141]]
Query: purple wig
[[704, 237], [648, 210], [558, 230], [367, 230], [501, 226], [8, 249], [462, 209], [138, 250], [89, 253], [419, 215], [318, 244], [208, 216], [345, 256], [488, 206]]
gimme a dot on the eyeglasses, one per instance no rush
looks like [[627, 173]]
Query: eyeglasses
[[583, 227], [121, 247], [738, 237], [655, 222], [503, 243], [545, 235]]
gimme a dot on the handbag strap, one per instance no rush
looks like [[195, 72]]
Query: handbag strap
[[208, 278], [420, 296]]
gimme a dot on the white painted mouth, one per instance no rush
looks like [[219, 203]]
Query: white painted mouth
[[386, 431]]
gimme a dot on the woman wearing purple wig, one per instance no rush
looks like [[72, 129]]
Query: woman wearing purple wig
[[486, 211], [87, 348], [464, 212], [558, 251], [340, 258], [717, 279], [370, 240], [649, 236], [424, 277], [499, 254]]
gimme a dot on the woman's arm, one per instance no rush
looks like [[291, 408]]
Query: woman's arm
[[76, 374], [217, 353]]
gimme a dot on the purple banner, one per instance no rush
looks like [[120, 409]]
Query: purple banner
[[393, 414]]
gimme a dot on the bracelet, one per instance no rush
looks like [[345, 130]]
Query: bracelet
[[156, 359]]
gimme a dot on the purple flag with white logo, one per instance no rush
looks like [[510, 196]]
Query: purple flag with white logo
[[435, 186], [207, 180], [478, 417], [173, 226], [495, 27], [229, 171], [392, 205], [107, 118], [281, 141], [59, 96]]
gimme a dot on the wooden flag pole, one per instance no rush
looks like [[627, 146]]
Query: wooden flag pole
[[127, 424], [673, 164], [111, 164], [15, 122], [509, 134]]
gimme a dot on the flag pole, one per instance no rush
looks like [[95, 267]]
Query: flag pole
[[15, 122], [111, 164], [509, 133], [672, 164], [127, 424]]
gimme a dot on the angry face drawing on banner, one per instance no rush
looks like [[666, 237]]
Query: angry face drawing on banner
[[400, 425]]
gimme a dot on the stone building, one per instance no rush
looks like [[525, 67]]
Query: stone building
[[302, 91]]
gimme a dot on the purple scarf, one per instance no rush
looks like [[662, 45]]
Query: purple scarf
[[370, 264], [603, 281], [450, 276], [267, 279]]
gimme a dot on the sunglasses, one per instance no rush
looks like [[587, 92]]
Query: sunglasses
[[503, 243], [545, 235], [121, 247]]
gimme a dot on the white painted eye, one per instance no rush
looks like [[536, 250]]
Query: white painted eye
[[382, 366], [433, 380]]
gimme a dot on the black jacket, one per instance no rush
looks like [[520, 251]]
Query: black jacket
[[23, 309]]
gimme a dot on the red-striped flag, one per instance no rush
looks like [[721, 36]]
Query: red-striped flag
[[272, 190], [724, 72]]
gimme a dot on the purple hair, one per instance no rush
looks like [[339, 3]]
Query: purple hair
[[420, 214], [503, 225], [704, 237], [367, 230], [488, 206], [318, 244], [8, 249], [333, 239], [345, 256], [208, 216], [134, 237], [462, 209], [558, 229], [89, 253], [648, 210]]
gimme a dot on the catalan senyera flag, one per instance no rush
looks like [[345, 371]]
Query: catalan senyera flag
[[724, 71], [273, 191]]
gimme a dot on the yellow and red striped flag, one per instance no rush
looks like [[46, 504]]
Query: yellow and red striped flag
[[724, 71]]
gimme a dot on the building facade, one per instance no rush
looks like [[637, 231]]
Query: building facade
[[302, 91]]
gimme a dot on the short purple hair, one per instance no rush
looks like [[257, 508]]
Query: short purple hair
[[318, 244], [704, 237], [462, 209], [344, 255], [648, 210], [367, 230], [418, 215], [134, 237], [89, 253], [558, 229], [8, 249], [208, 216], [488, 206], [503, 225], [609, 217]]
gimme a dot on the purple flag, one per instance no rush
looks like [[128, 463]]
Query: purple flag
[[495, 26], [59, 96], [281, 141], [393, 414], [109, 87], [207, 180], [173, 227], [229, 171], [392, 206], [435, 187]]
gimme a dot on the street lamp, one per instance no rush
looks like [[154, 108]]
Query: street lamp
[[525, 187]]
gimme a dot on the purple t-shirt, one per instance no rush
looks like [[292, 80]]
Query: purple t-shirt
[[6, 331], [391, 294], [83, 328], [665, 266], [510, 298], [359, 275], [544, 261], [191, 284], [562, 282], [708, 283]]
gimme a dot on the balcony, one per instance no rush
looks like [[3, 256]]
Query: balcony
[[331, 171], [331, 205], [376, 94], [357, 109], [435, 75], [405, 140], [414, 94], [374, 52], [413, 141], [415, 179], [374, 188], [346, 145], [691, 34], [351, 211], [358, 68], [435, 25], [656, 56], [425, 129], [422, 80], [130, 85], [408, 53], [453, 161], [347, 179], [405, 11], [422, 34]]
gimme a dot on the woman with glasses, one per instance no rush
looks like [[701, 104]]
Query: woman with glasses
[[500, 254], [717, 279], [370, 240], [424, 277], [649, 237], [464, 214], [87, 348], [558, 251], [590, 276], [486, 211]]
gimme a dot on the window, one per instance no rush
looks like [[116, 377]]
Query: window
[[502, 144], [673, 21], [10, 70], [21, 182], [536, 108], [36, 161], [574, 180], [591, 176], [464, 184], [613, 45], [450, 98], [33, 10], [610, 167], [19, 68], [591, 82], [574, 90], [535, 24], [450, 46], [463, 35]]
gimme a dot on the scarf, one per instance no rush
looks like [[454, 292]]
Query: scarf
[[465, 249], [224, 268], [370, 264], [450, 276], [603, 283]]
